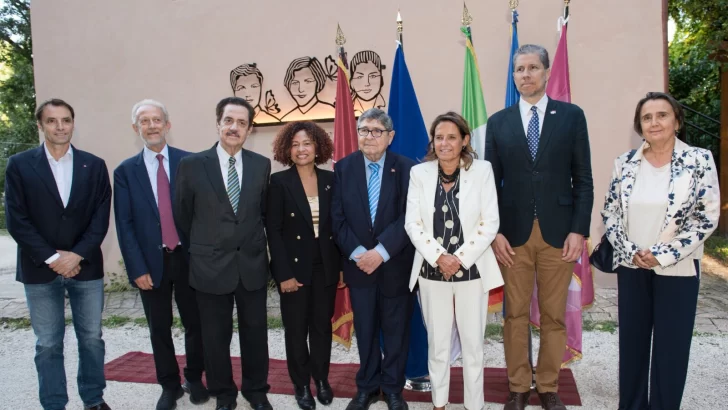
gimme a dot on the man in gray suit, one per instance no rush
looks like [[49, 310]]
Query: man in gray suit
[[219, 208]]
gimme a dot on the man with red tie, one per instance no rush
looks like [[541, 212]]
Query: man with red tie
[[155, 260]]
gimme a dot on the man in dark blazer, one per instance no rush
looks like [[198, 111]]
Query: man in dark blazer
[[57, 204], [219, 206], [155, 260], [539, 150], [368, 211]]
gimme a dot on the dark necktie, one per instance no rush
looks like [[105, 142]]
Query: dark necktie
[[164, 203]]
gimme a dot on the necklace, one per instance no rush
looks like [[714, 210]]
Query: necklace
[[445, 178]]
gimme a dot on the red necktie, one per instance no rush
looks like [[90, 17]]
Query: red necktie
[[164, 202]]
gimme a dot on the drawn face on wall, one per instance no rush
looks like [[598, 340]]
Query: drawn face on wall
[[302, 86], [366, 81], [248, 87]]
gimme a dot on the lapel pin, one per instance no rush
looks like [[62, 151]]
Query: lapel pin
[[84, 165], [327, 188], [393, 170], [553, 112]]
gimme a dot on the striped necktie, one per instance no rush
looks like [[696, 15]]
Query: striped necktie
[[233, 189], [373, 190]]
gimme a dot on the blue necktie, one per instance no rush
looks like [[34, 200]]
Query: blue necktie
[[532, 135], [373, 190]]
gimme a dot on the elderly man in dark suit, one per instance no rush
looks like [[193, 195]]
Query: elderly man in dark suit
[[155, 260], [57, 204], [539, 150], [220, 206], [368, 211]]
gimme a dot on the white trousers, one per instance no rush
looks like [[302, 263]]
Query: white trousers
[[467, 304]]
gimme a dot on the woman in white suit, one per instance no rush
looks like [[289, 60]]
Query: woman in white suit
[[663, 202], [452, 218]]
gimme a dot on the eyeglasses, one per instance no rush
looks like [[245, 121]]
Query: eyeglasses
[[376, 132]]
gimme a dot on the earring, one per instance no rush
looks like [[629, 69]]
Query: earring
[[316, 155], [464, 147]]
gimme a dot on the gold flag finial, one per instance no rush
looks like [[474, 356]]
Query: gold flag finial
[[513, 4], [399, 22], [467, 18], [340, 39]]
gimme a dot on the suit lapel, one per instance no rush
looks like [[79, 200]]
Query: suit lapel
[[466, 184], [246, 184], [299, 195], [360, 178], [214, 174], [429, 187], [514, 118], [174, 158], [324, 193], [681, 177], [140, 170], [389, 177], [43, 169], [549, 124]]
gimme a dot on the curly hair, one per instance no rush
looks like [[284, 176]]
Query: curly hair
[[284, 140]]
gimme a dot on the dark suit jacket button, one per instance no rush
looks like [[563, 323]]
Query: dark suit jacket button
[[64, 217], [535, 173], [237, 222], [159, 247], [531, 201], [238, 248]]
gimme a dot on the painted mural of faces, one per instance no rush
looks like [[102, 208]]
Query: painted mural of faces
[[247, 83]]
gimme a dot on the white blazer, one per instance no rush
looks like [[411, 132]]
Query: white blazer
[[478, 208]]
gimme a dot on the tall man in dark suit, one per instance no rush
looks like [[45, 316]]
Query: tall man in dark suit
[[539, 150], [367, 211], [57, 204], [156, 262], [220, 206]]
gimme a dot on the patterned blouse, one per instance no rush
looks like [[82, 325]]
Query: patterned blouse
[[313, 202], [449, 233]]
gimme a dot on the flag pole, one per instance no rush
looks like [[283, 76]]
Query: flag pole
[[399, 30], [340, 41]]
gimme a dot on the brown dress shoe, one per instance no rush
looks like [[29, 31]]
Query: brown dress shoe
[[517, 401], [551, 401]]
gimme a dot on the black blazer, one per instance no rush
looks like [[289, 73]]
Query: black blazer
[[352, 222], [39, 223], [224, 248], [289, 227], [559, 181], [137, 216]]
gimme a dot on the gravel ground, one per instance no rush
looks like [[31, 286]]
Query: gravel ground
[[596, 374]]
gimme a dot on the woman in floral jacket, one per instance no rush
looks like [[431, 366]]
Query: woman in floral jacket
[[663, 203]]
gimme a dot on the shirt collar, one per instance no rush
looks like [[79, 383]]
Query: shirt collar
[[380, 162], [525, 107], [68, 154], [225, 157], [151, 156]]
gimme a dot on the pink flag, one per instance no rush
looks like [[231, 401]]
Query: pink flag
[[581, 288]]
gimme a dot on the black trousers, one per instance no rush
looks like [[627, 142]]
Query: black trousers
[[157, 304], [375, 315], [306, 313], [216, 313], [658, 312]]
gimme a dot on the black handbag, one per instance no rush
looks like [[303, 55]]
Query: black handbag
[[603, 254]]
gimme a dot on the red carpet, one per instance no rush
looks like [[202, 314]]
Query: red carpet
[[137, 367]]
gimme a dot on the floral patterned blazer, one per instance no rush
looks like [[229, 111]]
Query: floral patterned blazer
[[692, 212]]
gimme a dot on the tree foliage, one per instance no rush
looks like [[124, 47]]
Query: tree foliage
[[694, 73]]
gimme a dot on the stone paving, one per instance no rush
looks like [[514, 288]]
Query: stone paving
[[712, 315]]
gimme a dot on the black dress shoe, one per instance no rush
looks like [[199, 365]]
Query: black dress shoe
[[304, 398], [102, 406], [395, 401], [324, 394], [264, 404], [551, 401], [168, 399], [197, 391], [229, 406], [362, 400]]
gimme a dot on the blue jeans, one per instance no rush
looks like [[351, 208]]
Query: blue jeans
[[46, 305]]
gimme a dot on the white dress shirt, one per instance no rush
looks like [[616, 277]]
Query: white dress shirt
[[225, 164], [152, 164], [63, 174], [526, 113]]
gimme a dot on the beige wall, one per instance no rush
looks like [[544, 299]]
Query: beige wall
[[102, 57]]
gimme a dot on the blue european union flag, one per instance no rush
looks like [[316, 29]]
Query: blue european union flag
[[512, 94], [410, 138]]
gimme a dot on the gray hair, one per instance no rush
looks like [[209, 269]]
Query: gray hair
[[145, 102], [377, 115], [543, 55]]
